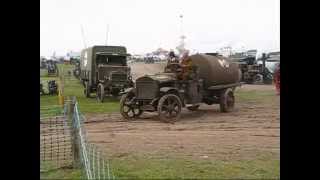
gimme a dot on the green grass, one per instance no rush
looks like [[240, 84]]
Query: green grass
[[140, 167], [43, 72], [62, 174], [73, 87], [175, 168], [261, 96]]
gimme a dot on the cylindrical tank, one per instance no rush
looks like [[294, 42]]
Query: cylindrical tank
[[216, 70]]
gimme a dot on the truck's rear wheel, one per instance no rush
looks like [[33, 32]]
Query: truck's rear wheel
[[100, 93], [86, 89], [169, 108], [127, 110], [258, 79], [227, 100]]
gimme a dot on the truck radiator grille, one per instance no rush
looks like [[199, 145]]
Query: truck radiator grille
[[146, 90], [119, 77]]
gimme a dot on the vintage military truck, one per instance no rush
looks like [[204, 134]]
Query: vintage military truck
[[252, 71], [211, 80], [104, 70], [52, 68]]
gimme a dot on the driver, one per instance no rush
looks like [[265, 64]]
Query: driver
[[186, 64], [172, 57]]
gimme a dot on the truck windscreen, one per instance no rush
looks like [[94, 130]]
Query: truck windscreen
[[111, 60]]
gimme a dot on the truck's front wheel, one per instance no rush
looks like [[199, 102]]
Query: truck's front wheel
[[127, 109], [100, 93]]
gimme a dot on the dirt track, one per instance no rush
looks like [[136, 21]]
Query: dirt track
[[252, 129]]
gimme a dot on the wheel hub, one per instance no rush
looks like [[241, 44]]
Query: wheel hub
[[170, 107]]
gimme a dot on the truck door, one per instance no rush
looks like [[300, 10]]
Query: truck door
[[194, 92]]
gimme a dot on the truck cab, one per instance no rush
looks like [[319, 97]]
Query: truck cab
[[104, 70]]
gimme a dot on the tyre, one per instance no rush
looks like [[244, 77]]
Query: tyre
[[169, 108], [86, 89], [258, 79], [100, 93], [227, 100], [193, 108], [127, 110]]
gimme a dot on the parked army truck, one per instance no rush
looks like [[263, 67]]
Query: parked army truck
[[252, 71], [104, 70], [211, 80]]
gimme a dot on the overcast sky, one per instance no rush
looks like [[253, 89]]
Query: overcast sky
[[144, 25]]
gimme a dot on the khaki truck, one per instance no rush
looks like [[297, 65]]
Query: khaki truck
[[104, 70], [210, 80]]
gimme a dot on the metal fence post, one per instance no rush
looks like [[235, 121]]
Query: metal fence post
[[74, 133]]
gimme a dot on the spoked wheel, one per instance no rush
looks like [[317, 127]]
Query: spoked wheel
[[258, 79], [86, 89], [193, 108], [227, 100], [127, 109], [100, 93], [169, 108]]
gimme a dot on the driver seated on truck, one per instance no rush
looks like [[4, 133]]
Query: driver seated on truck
[[172, 57], [187, 67], [172, 62]]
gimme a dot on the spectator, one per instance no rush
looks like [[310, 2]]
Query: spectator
[[276, 78]]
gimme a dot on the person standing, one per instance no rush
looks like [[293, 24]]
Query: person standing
[[276, 78]]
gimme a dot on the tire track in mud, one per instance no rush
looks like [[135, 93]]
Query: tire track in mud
[[239, 134]]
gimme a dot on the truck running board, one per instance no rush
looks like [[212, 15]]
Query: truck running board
[[223, 86]]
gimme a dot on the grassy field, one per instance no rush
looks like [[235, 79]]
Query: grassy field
[[62, 174], [141, 167], [73, 87], [135, 167], [261, 96], [263, 167]]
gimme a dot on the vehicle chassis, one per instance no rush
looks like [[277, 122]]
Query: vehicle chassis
[[170, 100]]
